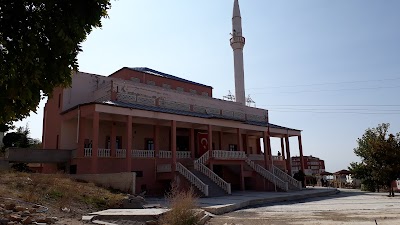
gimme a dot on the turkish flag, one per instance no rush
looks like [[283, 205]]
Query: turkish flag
[[203, 143]]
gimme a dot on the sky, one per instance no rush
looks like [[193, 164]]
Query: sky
[[328, 68]]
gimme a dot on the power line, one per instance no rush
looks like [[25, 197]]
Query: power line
[[327, 83], [328, 90]]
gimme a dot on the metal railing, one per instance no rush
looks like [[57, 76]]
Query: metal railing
[[143, 153], [87, 152], [104, 153], [120, 153], [213, 176], [268, 175], [219, 154], [192, 178], [285, 177]]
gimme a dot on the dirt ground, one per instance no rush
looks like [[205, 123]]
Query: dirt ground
[[350, 207]]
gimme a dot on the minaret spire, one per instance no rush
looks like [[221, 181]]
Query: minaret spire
[[237, 44]]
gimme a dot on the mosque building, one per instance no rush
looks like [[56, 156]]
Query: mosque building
[[165, 128]]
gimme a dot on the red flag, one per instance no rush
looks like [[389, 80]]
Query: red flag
[[203, 143]]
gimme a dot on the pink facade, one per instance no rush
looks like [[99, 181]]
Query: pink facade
[[165, 128]]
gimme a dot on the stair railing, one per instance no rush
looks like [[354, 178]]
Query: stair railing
[[286, 177], [192, 178], [203, 159], [268, 175], [213, 176]]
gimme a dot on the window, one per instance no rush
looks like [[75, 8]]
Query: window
[[180, 89], [108, 143], [232, 147], [138, 173], [119, 142], [149, 144]]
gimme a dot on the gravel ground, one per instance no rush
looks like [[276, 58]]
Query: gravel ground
[[349, 207]]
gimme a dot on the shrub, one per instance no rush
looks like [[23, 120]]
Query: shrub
[[183, 205]]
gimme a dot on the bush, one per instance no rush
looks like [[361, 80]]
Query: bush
[[183, 205]]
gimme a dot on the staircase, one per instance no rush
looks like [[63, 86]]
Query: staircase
[[293, 184], [283, 185], [213, 189], [192, 178]]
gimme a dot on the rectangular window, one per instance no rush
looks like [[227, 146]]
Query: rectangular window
[[108, 143], [232, 147], [118, 139], [149, 144]]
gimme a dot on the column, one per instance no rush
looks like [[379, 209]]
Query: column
[[95, 144], [128, 145], [283, 148], [173, 144], [266, 151], [192, 148], [288, 159], [81, 137], [242, 186], [210, 148], [239, 139], [113, 140], [156, 138], [301, 154]]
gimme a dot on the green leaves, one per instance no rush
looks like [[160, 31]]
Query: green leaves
[[380, 155], [39, 44]]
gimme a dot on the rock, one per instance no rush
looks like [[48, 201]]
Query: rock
[[151, 222], [19, 208], [2, 205], [6, 212], [13, 217], [11, 223], [32, 210], [25, 213], [4, 221], [65, 209], [133, 202], [36, 206], [26, 220], [9, 206]]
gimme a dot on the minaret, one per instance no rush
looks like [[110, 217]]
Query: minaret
[[237, 43]]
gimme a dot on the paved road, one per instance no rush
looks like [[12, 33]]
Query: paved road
[[348, 207]]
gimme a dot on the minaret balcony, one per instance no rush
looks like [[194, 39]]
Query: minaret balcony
[[238, 39]]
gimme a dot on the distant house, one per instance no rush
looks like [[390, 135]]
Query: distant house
[[313, 165]]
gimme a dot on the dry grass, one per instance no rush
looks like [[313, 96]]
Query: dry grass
[[56, 190], [183, 205]]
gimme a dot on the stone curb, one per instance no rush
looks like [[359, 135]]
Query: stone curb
[[218, 210]]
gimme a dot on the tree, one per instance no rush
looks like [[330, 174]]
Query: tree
[[18, 139], [380, 156], [39, 44]]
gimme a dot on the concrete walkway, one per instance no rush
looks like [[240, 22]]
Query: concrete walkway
[[238, 200]]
